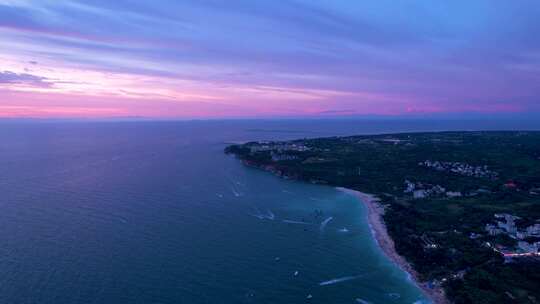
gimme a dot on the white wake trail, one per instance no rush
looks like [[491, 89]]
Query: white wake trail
[[339, 280], [325, 222], [295, 222]]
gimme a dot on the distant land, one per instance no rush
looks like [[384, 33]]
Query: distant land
[[462, 208]]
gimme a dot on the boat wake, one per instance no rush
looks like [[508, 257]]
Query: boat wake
[[324, 223], [236, 192], [339, 280], [393, 295], [295, 222], [236, 188], [269, 215]]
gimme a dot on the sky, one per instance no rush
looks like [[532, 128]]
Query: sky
[[244, 58]]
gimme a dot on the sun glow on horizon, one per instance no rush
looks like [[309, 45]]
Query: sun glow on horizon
[[63, 59]]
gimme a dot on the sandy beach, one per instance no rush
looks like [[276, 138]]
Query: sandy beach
[[375, 214]]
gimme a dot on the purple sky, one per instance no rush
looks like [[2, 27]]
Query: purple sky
[[182, 59]]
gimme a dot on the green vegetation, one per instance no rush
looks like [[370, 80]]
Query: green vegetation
[[440, 190]]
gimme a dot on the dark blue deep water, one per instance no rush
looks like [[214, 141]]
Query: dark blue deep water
[[154, 212]]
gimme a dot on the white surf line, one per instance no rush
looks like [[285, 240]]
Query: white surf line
[[339, 280], [271, 215], [325, 222]]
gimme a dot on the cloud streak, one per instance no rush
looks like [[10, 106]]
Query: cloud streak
[[23, 79]]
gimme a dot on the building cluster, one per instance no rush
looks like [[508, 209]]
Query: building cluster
[[506, 224], [460, 168], [527, 247], [428, 243], [480, 191], [279, 151], [278, 147], [534, 191], [423, 190], [365, 141], [394, 141], [282, 157]]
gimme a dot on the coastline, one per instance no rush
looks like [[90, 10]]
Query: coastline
[[375, 214]]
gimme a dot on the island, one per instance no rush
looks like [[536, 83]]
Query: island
[[459, 211]]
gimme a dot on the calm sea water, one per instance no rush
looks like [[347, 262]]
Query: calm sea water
[[154, 212]]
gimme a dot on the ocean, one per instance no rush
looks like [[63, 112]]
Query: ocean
[[155, 212]]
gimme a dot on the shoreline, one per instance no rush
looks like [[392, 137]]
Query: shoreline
[[375, 214]]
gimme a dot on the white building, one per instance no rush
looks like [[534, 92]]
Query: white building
[[419, 194], [529, 247], [533, 230], [452, 194]]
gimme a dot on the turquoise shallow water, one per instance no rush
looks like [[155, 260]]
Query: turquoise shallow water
[[155, 213]]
